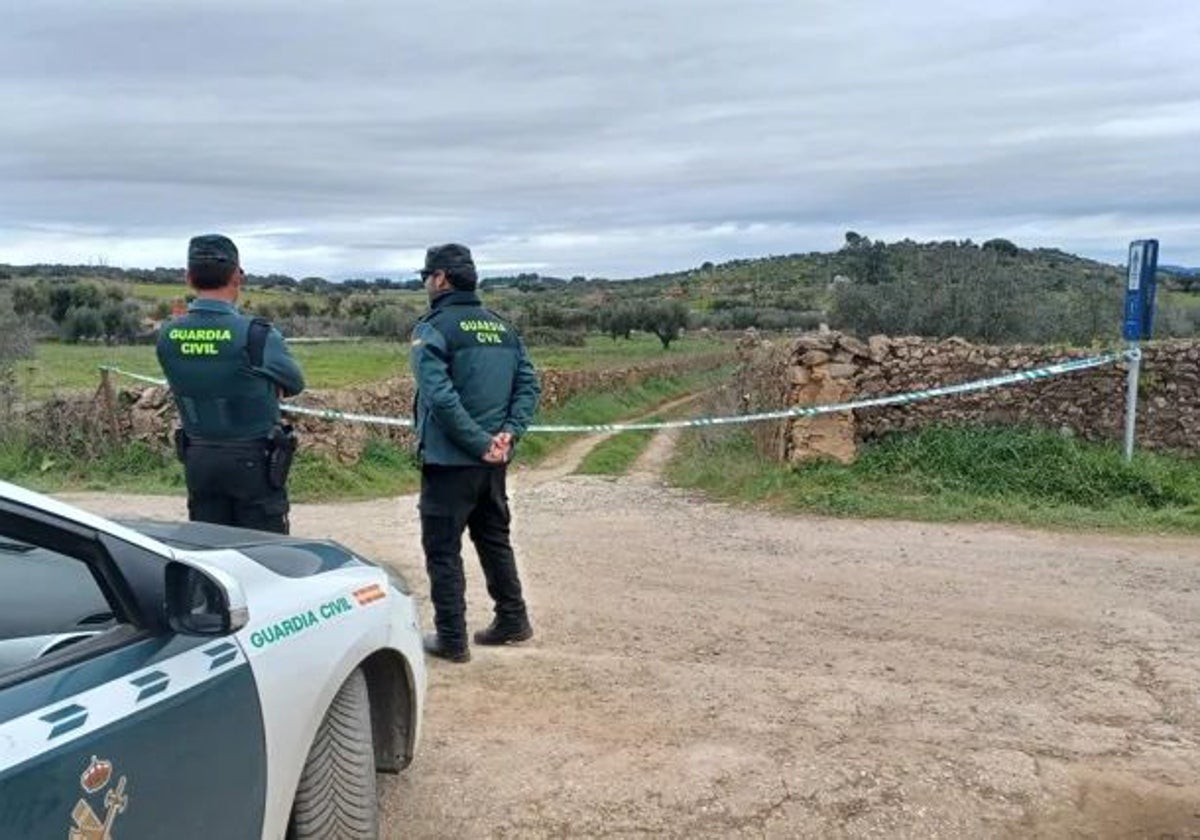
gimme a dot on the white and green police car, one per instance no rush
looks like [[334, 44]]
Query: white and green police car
[[189, 680]]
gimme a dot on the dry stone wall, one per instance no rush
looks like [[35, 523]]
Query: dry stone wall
[[148, 414], [831, 367]]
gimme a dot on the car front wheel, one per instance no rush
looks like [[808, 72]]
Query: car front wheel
[[336, 796]]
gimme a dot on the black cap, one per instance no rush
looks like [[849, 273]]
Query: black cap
[[210, 248], [450, 258]]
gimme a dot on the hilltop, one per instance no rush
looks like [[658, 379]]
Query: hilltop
[[994, 291]]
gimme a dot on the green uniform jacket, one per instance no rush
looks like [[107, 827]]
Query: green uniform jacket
[[221, 393], [474, 379]]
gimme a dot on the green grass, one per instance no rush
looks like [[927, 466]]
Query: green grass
[[616, 455], [155, 292], [133, 467], [610, 406], [339, 365], [603, 352], [73, 367], [1002, 475], [383, 469]]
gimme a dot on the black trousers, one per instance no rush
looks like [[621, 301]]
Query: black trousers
[[475, 498], [227, 485]]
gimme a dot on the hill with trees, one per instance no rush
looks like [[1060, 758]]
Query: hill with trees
[[994, 292]]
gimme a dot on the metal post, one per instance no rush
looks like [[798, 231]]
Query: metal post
[[1140, 288], [1131, 396]]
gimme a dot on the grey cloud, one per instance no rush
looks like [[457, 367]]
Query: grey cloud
[[593, 138]]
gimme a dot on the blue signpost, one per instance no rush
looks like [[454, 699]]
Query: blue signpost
[[1140, 287]]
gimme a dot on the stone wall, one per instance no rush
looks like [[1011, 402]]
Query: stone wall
[[148, 413], [831, 367]]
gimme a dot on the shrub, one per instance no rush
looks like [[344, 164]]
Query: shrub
[[121, 321], [81, 323], [391, 322], [551, 336], [15, 344]]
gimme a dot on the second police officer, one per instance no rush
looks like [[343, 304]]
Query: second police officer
[[476, 394]]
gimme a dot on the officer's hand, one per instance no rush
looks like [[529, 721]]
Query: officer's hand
[[498, 452]]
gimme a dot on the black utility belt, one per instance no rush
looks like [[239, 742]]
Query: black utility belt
[[279, 448], [256, 444]]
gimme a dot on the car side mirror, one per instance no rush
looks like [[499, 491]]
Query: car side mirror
[[204, 602]]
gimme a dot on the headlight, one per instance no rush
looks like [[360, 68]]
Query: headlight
[[397, 580]]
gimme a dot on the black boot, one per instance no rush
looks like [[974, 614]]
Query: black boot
[[434, 646], [505, 632]]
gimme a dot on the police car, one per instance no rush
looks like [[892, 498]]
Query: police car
[[191, 680]]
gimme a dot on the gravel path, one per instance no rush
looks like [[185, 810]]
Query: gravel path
[[701, 670]]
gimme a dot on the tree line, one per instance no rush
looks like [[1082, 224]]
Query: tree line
[[79, 311], [995, 292]]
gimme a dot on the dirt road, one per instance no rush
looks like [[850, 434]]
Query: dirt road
[[701, 670]]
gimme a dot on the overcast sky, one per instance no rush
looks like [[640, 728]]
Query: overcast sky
[[606, 138]]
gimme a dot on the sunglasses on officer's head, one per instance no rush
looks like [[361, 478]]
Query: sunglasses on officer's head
[[426, 273]]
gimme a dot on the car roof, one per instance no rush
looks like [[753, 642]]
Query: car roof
[[47, 504]]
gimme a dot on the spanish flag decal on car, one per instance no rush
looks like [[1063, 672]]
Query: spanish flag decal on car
[[369, 594]]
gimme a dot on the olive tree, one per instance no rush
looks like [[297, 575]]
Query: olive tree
[[666, 319]]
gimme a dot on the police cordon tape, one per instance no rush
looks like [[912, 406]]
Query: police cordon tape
[[323, 413], [1017, 378]]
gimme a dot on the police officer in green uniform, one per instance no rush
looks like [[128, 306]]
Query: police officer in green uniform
[[227, 372], [476, 394]]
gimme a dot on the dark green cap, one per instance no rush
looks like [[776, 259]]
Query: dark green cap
[[210, 248], [448, 258], [455, 260]]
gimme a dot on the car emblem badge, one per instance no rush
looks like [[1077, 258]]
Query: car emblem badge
[[96, 776], [89, 826]]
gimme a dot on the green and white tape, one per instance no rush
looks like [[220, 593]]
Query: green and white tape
[[907, 398], [322, 413]]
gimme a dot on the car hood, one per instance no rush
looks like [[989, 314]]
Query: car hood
[[288, 556]]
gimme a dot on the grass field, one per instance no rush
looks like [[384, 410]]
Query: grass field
[[74, 367], [1022, 476], [384, 469], [155, 292]]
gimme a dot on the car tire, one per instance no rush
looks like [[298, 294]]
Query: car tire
[[335, 799]]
